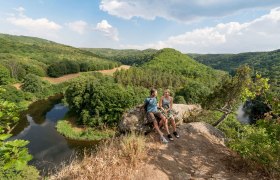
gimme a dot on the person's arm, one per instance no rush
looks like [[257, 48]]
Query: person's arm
[[171, 103], [160, 103]]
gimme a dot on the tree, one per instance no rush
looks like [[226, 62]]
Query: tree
[[14, 155], [4, 75], [195, 92], [17, 71], [101, 102], [32, 83], [234, 90]]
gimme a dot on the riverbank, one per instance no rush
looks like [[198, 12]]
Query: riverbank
[[67, 129]]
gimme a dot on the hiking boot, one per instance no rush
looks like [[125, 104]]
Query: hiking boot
[[163, 140], [176, 134], [170, 137]]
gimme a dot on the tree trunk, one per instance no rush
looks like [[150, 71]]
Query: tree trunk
[[224, 116]]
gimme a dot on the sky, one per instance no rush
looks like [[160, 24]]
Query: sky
[[190, 26]]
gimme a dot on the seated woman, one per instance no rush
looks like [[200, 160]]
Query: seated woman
[[165, 104]]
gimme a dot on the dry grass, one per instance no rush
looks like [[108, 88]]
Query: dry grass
[[115, 159], [110, 72]]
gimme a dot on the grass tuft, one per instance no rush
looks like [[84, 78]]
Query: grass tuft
[[117, 158]]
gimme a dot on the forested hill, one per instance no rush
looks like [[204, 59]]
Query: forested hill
[[172, 69], [125, 56], [22, 55], [265, 63]]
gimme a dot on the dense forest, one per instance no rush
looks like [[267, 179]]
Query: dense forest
[[264, 63], [171, 69], [126, 56], [23, 55]]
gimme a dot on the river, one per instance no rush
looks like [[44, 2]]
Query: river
[[48, 148]]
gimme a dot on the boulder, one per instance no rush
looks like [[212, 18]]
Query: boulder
[[135, 119]]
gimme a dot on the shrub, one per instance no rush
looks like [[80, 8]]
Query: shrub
[[32, 83], [4, 75], [179, 100], [260, 144]]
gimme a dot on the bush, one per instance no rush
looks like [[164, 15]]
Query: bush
[[260, 144], [32, 83], [179, 100], [64, 67], [4, 75], [13, 95]]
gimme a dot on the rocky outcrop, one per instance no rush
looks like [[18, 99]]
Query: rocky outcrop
[[135, 119]]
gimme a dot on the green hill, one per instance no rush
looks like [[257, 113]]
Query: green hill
[[265, 63], [126, 56], [22, 55], [172, 69]]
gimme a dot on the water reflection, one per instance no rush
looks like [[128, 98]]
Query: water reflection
[[48, 148]]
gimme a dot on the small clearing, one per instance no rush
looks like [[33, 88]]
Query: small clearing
[[67, 77], [110, 72], [17, 85]]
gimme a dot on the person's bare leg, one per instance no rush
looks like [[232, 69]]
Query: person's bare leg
[[165, 124], [157, 128], [152, 116], [173, 123]]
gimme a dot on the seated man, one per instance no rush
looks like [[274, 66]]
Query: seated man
[[152, 112]]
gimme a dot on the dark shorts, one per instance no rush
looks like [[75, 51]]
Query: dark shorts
[[154, 116]]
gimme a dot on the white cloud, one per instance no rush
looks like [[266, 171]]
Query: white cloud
[[260, 34], [179, 10], [28, 23], [78, 26], [20, 10], [107, 29]]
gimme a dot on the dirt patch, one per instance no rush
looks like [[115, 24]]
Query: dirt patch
[[110, 72], [17, 85], [67, 77], [61, 79], [195, 155]]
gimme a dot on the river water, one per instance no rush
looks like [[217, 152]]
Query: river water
[[48, 148]]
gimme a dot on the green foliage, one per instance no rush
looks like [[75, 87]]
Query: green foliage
[[62, 68], [100, 101], [27, 55], [127, 56], [67, 130], [8, 114], [13, 95], [172, 69], [260, 144], [13, 154], [265, 63], [194, 92], [4, 75], [32, 83], [145, 77], [179, 100]]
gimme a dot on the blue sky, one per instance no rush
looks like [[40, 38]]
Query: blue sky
[[191, 26]]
